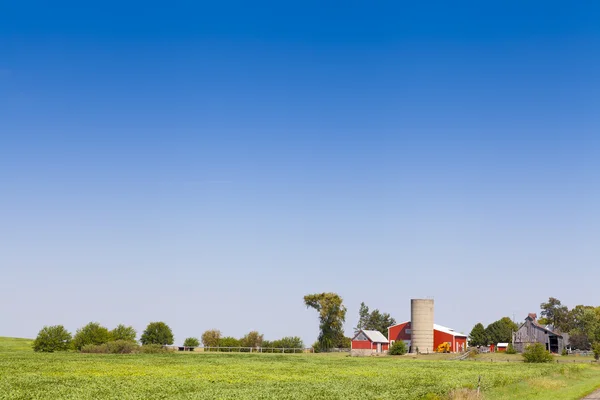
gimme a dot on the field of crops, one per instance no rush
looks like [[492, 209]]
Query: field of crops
[[27, 375]]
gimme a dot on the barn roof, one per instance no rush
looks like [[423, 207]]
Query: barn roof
[[532, 318], [447, 330], [375, 336]]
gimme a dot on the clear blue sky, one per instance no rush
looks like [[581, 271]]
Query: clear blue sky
[[208, 164]]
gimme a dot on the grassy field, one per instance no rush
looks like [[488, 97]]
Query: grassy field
[[27, 375]]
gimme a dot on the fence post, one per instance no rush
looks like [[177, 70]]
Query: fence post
[[478, 385]]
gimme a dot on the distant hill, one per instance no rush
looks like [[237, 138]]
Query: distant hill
[[8, 344]]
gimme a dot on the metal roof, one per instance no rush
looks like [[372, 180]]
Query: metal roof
[[375, 336], [449, 331]]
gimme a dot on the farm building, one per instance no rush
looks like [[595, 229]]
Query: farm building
[[367, 342], [532, 331], [441, 334], [501, 347]]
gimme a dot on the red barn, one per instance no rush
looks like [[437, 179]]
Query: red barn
[[369, 342], [501, 347], [441, 334]]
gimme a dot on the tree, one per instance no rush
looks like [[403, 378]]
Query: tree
[[157, 333], [288, 342], [92, 333], [191, 342], [211, 337], [374, 320], [252, 339], [511, 349], [228, 341], [398, 348], [51, 339], [122, 332], [555, 313], [363, 318], [332, 315], [477, 337], [579, 341], [500, 331], [537, 353], [596, 350]]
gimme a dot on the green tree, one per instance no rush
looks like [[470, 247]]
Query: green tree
[[122, 332], [511, 349], [500, 331], [252, 339], [537, 353], [374, 320], [157, 333], [579, 341], [332, 315], [228, 341], [51, 339], [288, 342], [596, 350], [211, 338], [363, 318], [398, 348], [191, 342], [92, 333], [477, 337], [555, 313]]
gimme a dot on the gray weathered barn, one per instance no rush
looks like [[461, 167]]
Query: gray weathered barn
[[533, 332]]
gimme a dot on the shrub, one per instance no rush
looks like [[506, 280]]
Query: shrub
[[228, 341], [537, 353], [564, 352], [122, 332], [398, 348], [211, 338], [92, 333], [51, 339], [316, 347], [596, 350], [157, 333], [114, 347], [288, 342], [152, 349], [191, 342], [122, 347], [511, 349], [95, 348]]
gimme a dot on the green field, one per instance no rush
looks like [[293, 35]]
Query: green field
[[28, 375]]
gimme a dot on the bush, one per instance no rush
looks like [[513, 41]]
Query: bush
[[511, 349], [537, 353], [51, 339], [564, 352], [288, 343], [316, 347], [114, 347], [95, 348], [157, 333], [398, 348], [122, 332], [152, 349], [191, 342], [122, 347], [596, 350], [92, 333], [211, 338]]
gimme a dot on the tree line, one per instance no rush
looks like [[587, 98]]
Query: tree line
[[94, 337]]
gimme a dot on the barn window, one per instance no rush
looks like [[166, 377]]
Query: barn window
[[408, 331]]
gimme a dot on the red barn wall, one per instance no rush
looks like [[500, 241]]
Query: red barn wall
[[398, 332], [440, 337], [361, 345]]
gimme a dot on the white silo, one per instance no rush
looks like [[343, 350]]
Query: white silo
[[421, 317]]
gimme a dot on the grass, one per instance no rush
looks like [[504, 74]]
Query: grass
[[28, 375]]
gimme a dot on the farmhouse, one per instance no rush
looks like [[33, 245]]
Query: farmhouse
[[441, 334], [532, 331], [367, 342]]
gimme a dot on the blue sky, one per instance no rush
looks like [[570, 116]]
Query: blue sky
[[209, 164]]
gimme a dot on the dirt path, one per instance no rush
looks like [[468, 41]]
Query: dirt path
[[593, 396]]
